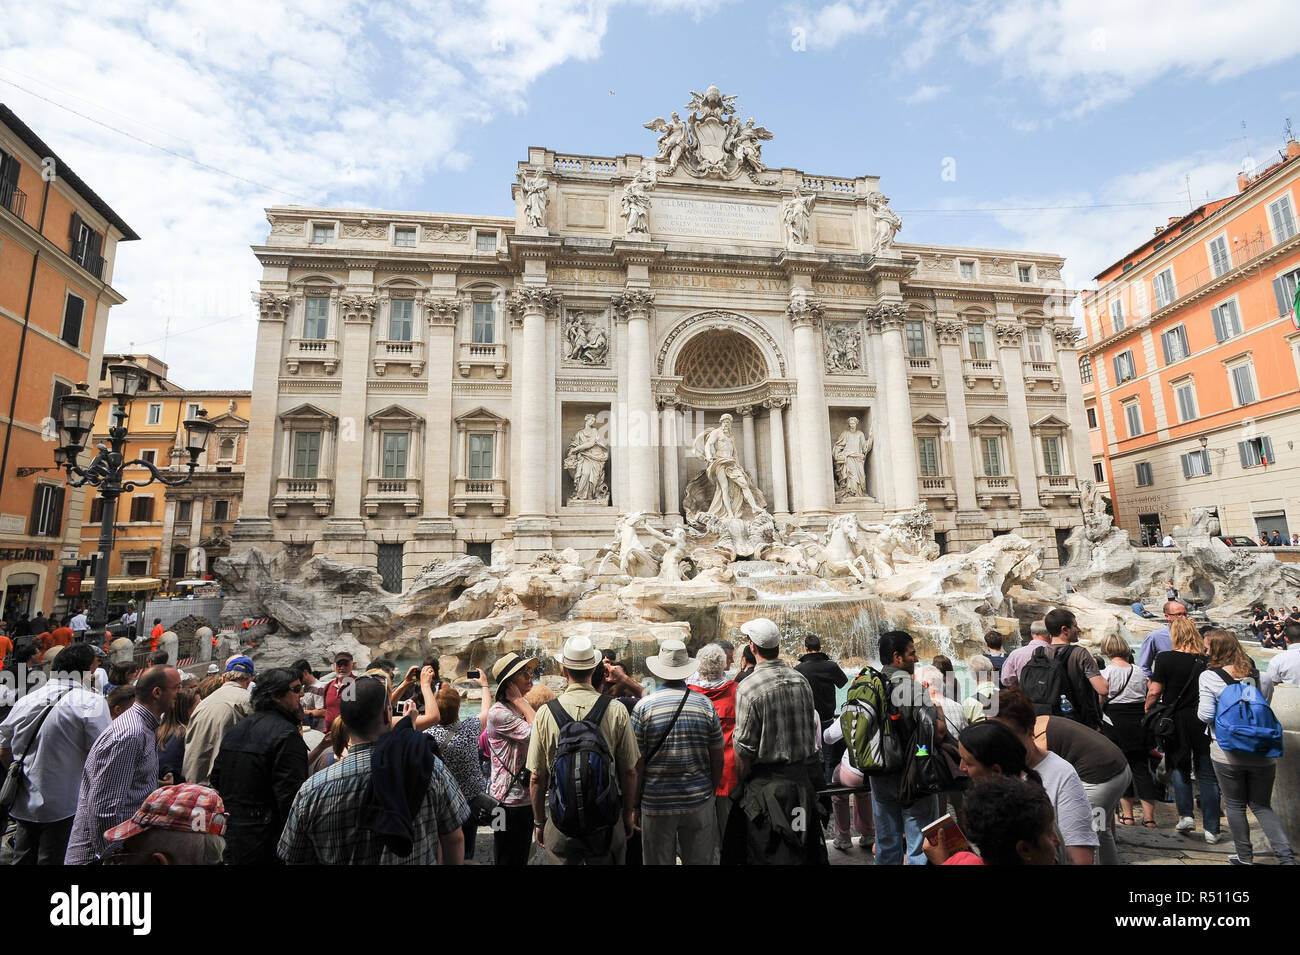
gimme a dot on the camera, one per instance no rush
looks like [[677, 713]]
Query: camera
[[471, 674]]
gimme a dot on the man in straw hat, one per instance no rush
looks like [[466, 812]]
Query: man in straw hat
[[680, 738], [578, 662]]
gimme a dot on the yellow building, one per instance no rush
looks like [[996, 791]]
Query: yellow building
[[157, 526]]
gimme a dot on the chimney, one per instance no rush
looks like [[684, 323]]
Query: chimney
[[1172, 220], [1243, 181], [1292, 149]]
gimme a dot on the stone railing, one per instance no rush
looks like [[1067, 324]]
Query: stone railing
[[1058, 485], [924, 368], [479, 353], [388, 352], [987, 488], [397, 491], [491, 491], [975, 370], [1036, 371], [322, 350], [596, 165], [318, 492], [823, 184], [936, 486]]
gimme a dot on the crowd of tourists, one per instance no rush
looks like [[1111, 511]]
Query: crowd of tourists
[[734, 758]]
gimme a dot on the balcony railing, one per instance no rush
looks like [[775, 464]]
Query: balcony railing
[[318, 492], [403, 492], [987, 488], [388, 352], [975, 370], [1046, 371], [489, 491], [479, 353], [924, 368], [1058, 485], [324, 351], [938, 486], [13, 198]]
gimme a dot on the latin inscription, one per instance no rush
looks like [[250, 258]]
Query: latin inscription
[[714, 219], [726, 282]]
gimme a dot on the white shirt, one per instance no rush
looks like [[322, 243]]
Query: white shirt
[[78, 622], [1069, 799], [1168, 541], [54, 765], [1283, 668]]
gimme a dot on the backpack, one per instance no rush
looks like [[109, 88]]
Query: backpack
[[1045, 680], [931, 767], [1243, 720], [870, 722], [582, 798]]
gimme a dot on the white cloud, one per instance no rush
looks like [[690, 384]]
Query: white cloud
[[925, 93], [825, 26]]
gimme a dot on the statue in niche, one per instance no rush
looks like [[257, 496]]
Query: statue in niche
[[733, 497], [795, 213], [536, 189], [585, 342], [888, 224], [850, 453], [196, 562], [585, 461], [636, 201], [843, 347]]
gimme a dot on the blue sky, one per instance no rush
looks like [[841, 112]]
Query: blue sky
[[1092, 111]]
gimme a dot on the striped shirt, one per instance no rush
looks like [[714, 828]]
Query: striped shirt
[[680, 777], [324, 825], [775, 719], [121, 771]]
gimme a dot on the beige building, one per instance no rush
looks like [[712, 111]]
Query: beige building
[[423, 382]]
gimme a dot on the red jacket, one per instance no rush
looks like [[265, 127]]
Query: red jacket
[[724, 701]]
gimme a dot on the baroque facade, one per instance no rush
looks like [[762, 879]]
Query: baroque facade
[[434, 384]]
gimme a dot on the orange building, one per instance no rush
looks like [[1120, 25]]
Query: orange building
[[1195, 356], [58, 245]]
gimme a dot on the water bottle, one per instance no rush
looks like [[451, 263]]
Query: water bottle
[[1066, 706]]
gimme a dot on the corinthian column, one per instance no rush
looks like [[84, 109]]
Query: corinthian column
[[533, 302], [749, 453], [951, 333], [776, 430], [668, 455], [633, 307], [902, 448], [814, 424], [1009, 334], [259, 456]]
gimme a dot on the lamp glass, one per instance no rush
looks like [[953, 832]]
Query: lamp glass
[[60, 456], [124, 379], [197, 431], [77, 411]]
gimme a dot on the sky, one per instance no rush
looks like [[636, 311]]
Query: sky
[[1073, 127]]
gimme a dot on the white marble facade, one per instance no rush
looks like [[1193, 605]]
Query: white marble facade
[[420, 378]]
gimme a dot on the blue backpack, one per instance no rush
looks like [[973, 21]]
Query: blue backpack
[[1243, 721], [583, 799]]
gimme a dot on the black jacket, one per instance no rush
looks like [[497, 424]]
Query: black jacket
[[259, 769], [824, 676]]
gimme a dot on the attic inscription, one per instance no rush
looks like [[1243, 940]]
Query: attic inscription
[[713, 219]]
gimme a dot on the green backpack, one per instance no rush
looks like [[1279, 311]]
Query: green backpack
[[872, 730]]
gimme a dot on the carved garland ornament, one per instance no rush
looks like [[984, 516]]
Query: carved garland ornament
[[1008, 334], [949, 332], [889, 315], [358, 308], [532, 297], [632, 300]]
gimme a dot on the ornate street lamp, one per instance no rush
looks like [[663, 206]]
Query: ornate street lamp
[[105, 470]]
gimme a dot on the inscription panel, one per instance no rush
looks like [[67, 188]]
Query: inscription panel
[[709, 218]]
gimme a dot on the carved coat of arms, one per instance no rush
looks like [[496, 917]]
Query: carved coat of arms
[[711, 142]]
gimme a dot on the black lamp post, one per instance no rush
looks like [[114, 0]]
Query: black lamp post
[[76, 421]]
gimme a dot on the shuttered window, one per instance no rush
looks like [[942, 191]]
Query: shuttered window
[[1124, 370], [1163, 284], [992, 449], [1256, 452], [47, 511], [1133, 419], [1282, 218], [306, 453], [1226, 320], [927, 456], [141, 509], [1186, 395], [395, 443], [401, 312], [1219, 259], [1284, 291], [1196, 464], [1174, 344], [1144, 475], [1117, 315], [480, 456], [73, 310], [1243, 384]]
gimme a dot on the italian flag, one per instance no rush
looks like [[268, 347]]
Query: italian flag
[[1295, 309]]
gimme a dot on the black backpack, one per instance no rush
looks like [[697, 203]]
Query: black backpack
[[1046, 679], [582, 797]]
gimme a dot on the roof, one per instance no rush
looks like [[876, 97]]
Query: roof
[[38, 146]]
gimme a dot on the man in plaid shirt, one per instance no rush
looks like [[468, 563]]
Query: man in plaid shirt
[[324, 826]]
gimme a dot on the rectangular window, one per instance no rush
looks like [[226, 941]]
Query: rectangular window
[[1226, 321], [1282, 218], [1144, 475], [1196, 463], [485, 241], [306, 453], [1085, 369], [1092, 417], [1025, 272], [1098, 472], [155, 414], [1174, 343], [1284, 287], [1220, 262], [1163, 283], [322, 234], [185, 511], [73, 310], [914, 335], [389, 565], [394, 464], [61, 390], [1243, 383], [404, 238], [485, 324], [992, 450], [967, 270], [149, 456], [1133, 419], [141, 509], [47, 511], [927, 455], [480, 457], [1117, 314], [977, 342], [192, 411], [1051, 455], [1256, 452], [1124, 370], [1034, 342], [401, 319], [1186, 395], [137, 568], [96, 511], [316, 318], [221, 510]]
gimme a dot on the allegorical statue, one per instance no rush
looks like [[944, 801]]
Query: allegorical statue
[[536, 190], [672, 139], [888, 224], [850, 453], [636, 201], [724, 473], [585, 461], [795, 213], [584, 342]]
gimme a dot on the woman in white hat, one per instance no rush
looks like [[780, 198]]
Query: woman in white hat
[[508, 731]]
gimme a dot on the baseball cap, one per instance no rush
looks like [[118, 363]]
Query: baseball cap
[[185, 807], [762, 632], [240, 665]]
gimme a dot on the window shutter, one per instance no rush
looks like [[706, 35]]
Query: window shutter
[[56, 513], [1266, 449], [147, 509], [96, 511], [1217, 318], [74, 230], [1187, 465], [1243, 448], [1279, 293], [34, 519]]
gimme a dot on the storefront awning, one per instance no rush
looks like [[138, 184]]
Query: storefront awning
[[120, 584]]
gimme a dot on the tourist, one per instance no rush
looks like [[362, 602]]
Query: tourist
[[176, 825], [898, 826], [356, 812], [313, 702], [1018, 657], [776, 743], [932, 678], [1275, 539], [825, 677], [605, 844], [259, 767], [159, 658], [171, 736], [1245, 778], [1295, 540], [1171, 592], [1060, 780], [848, 777], [1140, 610], [993, 640], [611, 679], [6, 647], [1168, 541], [1122, 725], [1174, 681], [332, 747], [78, 625], [1082, 686], [210, 684], [680, 738], [128, 621], [332, 691], [982, 703], [119, 700], [989, 749], [156, 633], [747, 663], [508, 730], [1285, 667], [122, 767], [457, 741], [711, 679], [51, 731], [1010, 821], [1158, 641], [215, 715], [421, 685]]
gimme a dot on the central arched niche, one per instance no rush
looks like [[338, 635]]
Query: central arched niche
[[720, 360]]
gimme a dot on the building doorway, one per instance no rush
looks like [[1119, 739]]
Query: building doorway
[[20, 593], [1266, 524], [1150, 524], [480, 549]]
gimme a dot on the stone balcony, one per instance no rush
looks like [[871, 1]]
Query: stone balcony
[[389, 352], [317, 492], [398, 492], [1041, 372], [937, 487], [987, 489], [925, 369], [476, 353], [975, 370], [1063, 486], [488, 491], [324, 351]]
